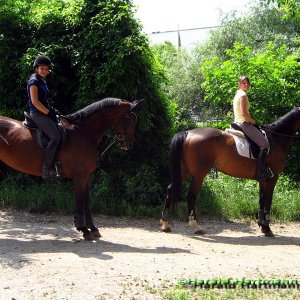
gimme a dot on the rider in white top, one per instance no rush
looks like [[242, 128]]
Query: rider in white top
[[243, 118]]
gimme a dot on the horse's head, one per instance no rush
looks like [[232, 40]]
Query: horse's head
[[125, 128]]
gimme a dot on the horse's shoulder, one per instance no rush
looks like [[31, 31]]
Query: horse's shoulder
[[67, 124]]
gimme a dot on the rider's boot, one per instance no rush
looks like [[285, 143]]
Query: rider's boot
[[262, 170], [48, 169]]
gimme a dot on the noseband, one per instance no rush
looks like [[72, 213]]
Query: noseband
[[121, 137]]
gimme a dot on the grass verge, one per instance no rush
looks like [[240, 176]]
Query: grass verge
[[223, 197]]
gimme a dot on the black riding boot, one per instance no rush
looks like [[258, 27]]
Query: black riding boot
[[48, 169], [262, 170]]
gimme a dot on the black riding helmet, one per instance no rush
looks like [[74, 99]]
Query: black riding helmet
[[42, 61]]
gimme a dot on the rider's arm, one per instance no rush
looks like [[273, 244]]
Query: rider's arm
[[35, 100], [244, 110]]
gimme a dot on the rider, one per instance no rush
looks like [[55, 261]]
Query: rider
[[243, 118], [42, 113]]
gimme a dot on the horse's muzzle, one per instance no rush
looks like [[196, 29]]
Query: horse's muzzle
[[125, 143]]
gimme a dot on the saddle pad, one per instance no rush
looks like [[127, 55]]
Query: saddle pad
[[242, 145]]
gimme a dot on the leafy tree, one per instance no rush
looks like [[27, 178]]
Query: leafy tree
[[182, 86], [291, 8], [263, 24]]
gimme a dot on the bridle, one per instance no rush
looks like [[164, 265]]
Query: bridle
[[296, 135], [121, 137]]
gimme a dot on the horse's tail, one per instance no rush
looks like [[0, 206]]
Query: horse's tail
[[176, 150]]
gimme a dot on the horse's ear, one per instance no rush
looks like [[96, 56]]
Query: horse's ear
[[135, 104]]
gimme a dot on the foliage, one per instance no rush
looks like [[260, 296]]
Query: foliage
[[183, 84], [263, 24], [136, 195], [291, 8]]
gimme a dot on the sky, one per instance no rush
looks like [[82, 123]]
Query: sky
[[165, 15]]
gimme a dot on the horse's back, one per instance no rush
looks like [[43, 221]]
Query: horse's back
[[205, 146], [18, 148], [205, 134], [211, 147]]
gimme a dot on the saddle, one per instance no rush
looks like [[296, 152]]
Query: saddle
[[42, 139], [245, 146]]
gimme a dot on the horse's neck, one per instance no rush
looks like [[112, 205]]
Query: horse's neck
[[101, 121]]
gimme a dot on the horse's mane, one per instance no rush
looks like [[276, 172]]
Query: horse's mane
[[92, 108], [285, 123]]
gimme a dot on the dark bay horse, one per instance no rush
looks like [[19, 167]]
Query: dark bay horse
[[84, 129], [193, 153]]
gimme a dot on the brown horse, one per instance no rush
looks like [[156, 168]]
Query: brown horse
[[195, 152], [84, 129]]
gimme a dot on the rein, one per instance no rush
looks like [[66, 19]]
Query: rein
[[281, 134], [112, 142], [118, 137]]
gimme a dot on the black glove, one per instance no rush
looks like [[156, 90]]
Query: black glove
[[52, 115], [57, 112]]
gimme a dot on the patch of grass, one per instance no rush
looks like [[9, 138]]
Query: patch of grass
[[179, 293], [36, 195], [233, 198]]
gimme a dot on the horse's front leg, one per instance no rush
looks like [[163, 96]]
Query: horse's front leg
[[83, 218], [266, 189], [89, 223], [164, 221]]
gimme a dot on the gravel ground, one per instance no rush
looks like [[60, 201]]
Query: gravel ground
[[44, 257]]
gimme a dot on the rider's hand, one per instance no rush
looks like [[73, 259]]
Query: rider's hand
[[52, 115], [57, 112]]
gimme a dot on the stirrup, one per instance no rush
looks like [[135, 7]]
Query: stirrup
[[264, 175]]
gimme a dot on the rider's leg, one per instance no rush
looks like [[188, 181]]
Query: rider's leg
[[51, 130], [262, 170]]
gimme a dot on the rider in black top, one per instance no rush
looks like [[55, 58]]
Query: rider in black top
[[42, 113]]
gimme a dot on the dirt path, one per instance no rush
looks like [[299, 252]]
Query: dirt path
[[43, 257]]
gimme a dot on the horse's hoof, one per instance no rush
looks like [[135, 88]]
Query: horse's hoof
[[199, 232], [167, 229], [269, 234], [96, 234], [266, 230], [88, 236], [165, 226]]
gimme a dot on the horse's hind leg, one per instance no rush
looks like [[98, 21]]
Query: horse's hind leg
[[191, 201], [164, 221]]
